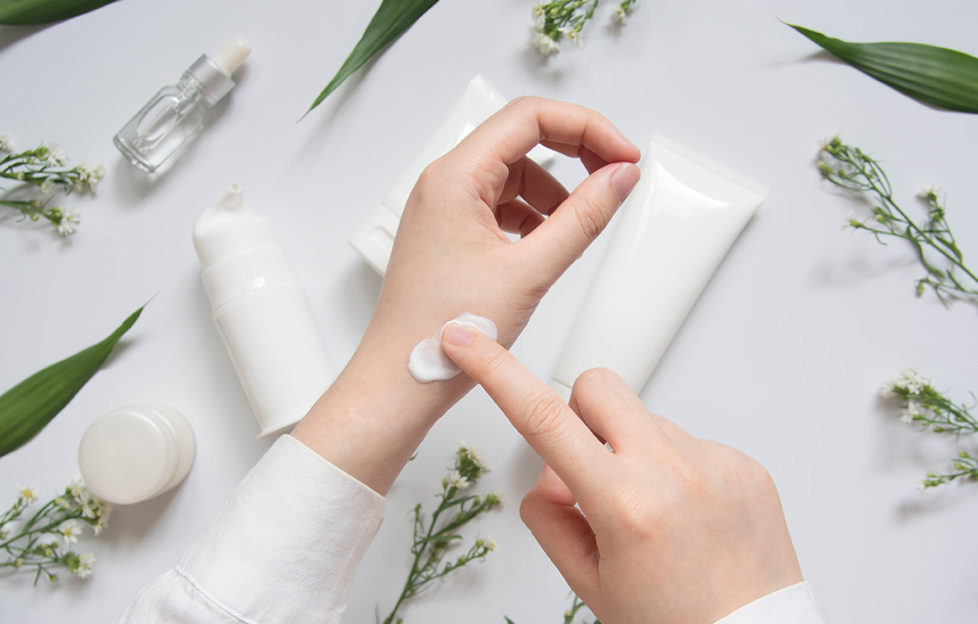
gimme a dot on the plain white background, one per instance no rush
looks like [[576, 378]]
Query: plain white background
[[781, 357]]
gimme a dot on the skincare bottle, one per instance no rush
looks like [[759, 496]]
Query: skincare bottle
[[176, 113], [136, 453], [261, 312]]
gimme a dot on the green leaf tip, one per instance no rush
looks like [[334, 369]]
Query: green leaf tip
[[30, 12], [392, 18], [939, 77], [29, 406]]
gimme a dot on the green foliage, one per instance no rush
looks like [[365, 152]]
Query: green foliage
[[571, 613], [434, 538], [554, 20], [41, 541], [933, 242], [26, 12], [392, 18], [928, 408], [38, 174], [29, 406], [940, 77]]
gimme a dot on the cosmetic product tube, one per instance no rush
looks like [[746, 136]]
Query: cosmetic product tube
[[261, 312], [672, 233], [374, 239], [136, 453]]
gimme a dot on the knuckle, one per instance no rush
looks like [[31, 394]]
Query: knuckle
[[737, 469], [494, 363], [593, 378], [695, 485], [756, 474], [590, 217], [522, 101], [429, 174], [529, 508], [543, 415], [633, 515]]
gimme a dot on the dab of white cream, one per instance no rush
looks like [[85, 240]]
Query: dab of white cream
[[428, 362]]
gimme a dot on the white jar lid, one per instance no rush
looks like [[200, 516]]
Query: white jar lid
[[136, 452]]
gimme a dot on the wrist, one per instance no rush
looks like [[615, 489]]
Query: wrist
[[373, 417]]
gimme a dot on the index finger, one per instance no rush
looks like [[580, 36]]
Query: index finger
[[568, 128], [554, 431]]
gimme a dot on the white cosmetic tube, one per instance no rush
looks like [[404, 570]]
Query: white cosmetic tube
[[673, 232], [374, 239]]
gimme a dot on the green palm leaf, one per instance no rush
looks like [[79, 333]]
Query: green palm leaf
[[23, 12], [29, 406], [392, 18], [939, 77]]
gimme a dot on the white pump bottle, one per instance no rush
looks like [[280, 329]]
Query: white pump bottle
[[261, 312]]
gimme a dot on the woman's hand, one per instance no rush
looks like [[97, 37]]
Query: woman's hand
[[669, 528], [452, 255]]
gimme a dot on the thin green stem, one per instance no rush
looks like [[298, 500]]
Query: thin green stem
[[854, 170], [433, 539]]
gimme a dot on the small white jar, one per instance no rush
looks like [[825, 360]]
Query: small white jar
[[135, 453]]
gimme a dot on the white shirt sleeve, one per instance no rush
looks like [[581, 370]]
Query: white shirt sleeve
[[795, 604], [284, 547]]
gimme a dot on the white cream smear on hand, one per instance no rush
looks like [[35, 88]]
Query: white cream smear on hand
[[428, 361]]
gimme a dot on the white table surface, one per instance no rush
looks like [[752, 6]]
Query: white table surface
[[781, 357]]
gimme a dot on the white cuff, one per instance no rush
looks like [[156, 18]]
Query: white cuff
[[795, 604], [285, 545]]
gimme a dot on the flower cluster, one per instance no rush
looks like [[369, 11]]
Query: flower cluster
[[435, 537], [555, 20], [40, 174], [932, 240], [41, 540], [927, 407]]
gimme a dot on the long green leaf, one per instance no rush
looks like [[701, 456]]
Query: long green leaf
[[392, 18], [29, 406], [23, 12], [939, 77]]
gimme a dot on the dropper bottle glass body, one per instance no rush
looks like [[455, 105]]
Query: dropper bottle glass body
[[175, 114]]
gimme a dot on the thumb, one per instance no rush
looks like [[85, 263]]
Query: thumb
[[563, 532], [574, 225]]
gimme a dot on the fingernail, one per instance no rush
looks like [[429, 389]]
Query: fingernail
[[624, 179], [458, 335]]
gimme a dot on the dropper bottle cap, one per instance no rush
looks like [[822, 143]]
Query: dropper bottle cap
[[214, 74], [233, 54]]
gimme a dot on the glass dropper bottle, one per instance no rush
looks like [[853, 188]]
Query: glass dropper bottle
[[175, 114]]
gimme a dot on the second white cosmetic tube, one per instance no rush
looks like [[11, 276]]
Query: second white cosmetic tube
[[374, 239], [673, 231]]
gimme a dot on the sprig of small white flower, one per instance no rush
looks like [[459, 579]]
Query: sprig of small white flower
[[40, 540], [933, 242], [39, 174], [552, 21], [435, 537], [928, 408]]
